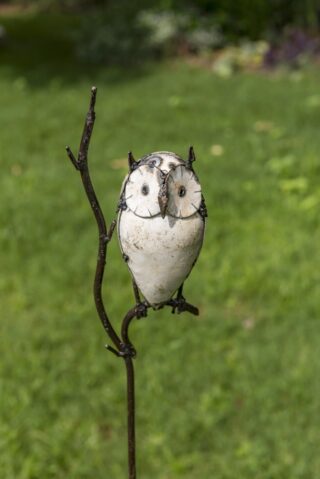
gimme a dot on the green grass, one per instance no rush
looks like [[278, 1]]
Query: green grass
[[233, 394]]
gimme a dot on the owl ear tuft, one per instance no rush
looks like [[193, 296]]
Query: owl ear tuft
[[131, 161], [191, 157]]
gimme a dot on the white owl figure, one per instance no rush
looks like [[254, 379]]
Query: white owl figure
[[161, 224]]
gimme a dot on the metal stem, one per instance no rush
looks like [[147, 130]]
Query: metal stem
[[132, 313], [123, 348], [81, 164], [131, 418]]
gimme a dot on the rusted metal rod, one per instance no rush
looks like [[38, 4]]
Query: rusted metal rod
[[122, 347]]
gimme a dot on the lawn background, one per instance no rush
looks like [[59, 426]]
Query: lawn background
[[233, 393]]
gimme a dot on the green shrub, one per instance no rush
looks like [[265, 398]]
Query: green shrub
[[113, 36]]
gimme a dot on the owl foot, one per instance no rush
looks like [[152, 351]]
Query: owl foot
[[180, 305], [141, 310], [141, 307]]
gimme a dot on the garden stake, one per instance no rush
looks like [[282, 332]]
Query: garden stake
[[122, 346]]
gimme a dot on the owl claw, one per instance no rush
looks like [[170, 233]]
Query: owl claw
[[180, 305], [141, 310]]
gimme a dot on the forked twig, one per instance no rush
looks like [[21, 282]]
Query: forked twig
[[122, 347], [81, 164]]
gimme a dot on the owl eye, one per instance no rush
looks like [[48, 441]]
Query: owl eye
[[145, 190], [141, 191], [184, 192]]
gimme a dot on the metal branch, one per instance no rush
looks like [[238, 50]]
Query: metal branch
[[81, 164], [123, 347]]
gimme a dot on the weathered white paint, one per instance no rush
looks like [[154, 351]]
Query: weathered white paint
[[164, 160], [161, 251]]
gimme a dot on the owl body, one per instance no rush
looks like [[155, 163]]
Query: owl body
[[160, 241]]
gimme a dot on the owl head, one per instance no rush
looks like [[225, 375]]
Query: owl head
[[162, 184]]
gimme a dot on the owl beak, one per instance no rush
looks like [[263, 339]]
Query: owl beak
[[163, 198], [163, 203]]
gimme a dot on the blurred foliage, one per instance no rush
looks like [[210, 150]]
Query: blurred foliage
[[295, 48], [132, 31], [113, 36], [247, 55], [245, 18], [240, 18], [172, 32]]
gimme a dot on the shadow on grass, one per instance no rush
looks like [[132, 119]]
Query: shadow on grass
[[40, 48]]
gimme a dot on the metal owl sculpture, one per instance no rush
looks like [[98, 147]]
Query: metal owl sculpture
[[161, 222]]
